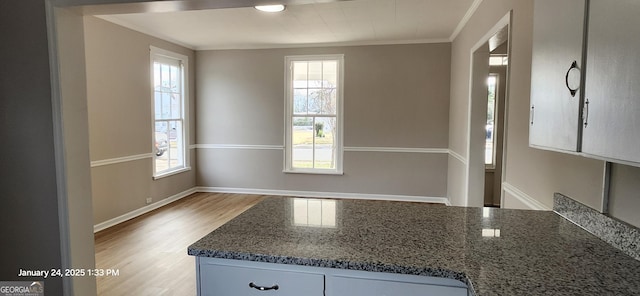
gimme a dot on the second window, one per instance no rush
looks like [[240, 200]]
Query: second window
[[314, 114]]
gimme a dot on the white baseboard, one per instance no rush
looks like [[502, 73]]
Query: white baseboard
[[524, 198], [412, 198], [168, 200], [143, 210]]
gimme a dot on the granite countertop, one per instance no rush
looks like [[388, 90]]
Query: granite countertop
[[494, 251]]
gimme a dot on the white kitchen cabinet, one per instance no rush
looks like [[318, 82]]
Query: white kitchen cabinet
[[556, 73], [223, 277], [604, 121], [612, 97]]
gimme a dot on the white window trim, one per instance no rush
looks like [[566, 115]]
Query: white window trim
[[184, 60], [288, 111]]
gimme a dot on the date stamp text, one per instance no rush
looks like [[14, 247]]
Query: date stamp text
[[69, 272]]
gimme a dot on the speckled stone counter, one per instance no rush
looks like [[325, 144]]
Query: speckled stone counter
[[620, 235], [494, 251]]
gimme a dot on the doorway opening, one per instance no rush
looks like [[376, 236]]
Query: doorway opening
[[488, 103], [496, 93]]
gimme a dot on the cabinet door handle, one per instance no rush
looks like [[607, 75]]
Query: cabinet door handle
[[261, 288], [573, 92], [585, 113], [532, 113]]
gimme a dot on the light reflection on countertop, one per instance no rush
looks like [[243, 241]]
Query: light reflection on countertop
[[488, 220], [496, 251], [310, 212]]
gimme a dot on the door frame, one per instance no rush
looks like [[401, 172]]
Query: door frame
[[474, 173]]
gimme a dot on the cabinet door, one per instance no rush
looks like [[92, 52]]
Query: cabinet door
[[558, 34], [612, 114], [351, 286]]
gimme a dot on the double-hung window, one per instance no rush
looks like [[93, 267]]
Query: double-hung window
[[313, 140], [169, 112]]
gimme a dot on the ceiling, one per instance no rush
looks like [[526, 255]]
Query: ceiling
[[357, 22]]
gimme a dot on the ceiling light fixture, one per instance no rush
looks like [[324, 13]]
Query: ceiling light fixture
[[270, 8]]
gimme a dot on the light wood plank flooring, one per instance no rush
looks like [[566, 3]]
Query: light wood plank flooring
[[150, 251]]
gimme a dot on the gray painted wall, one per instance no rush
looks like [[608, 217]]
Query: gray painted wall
[[119, 108], [624, 196], [29, 221], [394, 96]]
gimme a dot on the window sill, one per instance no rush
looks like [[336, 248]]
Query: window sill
[[314, 172], [171, 173]]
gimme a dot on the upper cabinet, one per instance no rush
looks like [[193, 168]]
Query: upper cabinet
[[585, 92], [555, 75], [612, 96]]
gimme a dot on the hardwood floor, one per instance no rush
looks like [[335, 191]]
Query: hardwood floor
[[150, 251]]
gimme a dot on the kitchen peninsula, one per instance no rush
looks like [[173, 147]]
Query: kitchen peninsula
[[479, 251]]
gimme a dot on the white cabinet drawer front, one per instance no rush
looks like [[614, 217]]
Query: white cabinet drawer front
[[347, 286], [224, 280]]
